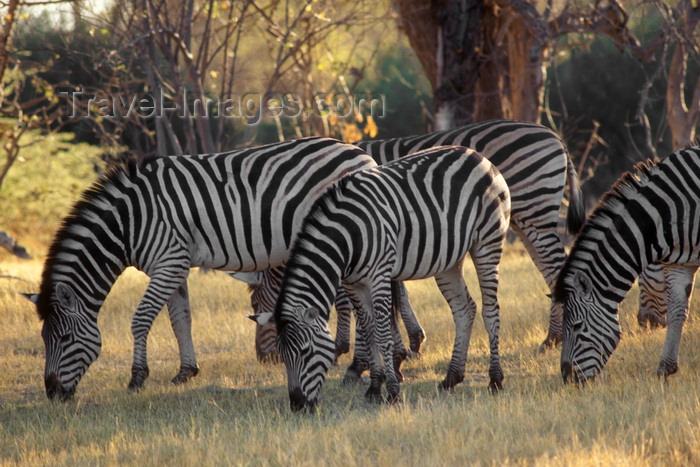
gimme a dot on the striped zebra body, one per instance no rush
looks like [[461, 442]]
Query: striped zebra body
[[414, 218], [650, 216], [537, 168], [232, 211], [652, 297]]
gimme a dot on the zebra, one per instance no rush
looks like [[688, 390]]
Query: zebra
[[651, 215], [536, 165], [413, 218], [238, 211]]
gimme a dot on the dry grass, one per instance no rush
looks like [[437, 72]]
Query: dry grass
[[236, 411]]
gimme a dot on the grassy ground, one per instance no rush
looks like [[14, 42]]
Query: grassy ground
[[236, 411]]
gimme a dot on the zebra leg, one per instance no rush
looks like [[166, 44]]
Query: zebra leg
[[361, 356], [373, 309], [385, 335], [680, 279], [360, 361], [416, 334], [161, 287], [486, 262], [181, 322], [343, 309], [454, 289], [652, 297], [547, 251]]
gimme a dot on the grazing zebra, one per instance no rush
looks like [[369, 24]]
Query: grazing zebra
[[233, 211], [414, 218], [651, 215], [536, 166]]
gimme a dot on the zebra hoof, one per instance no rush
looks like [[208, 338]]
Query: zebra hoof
[[415, 342], [374, 395], [138, 377], [397, 370], [495, 387], [394, 399], [450, 381], [185, 374], [667, 369]]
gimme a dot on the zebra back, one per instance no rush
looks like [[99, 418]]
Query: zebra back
[[532, 158]]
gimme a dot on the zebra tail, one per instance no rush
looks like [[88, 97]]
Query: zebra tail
[[576, 214]]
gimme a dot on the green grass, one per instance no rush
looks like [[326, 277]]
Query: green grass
[[42, 186], [236, 412]]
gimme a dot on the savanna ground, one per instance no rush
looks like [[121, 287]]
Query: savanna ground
[[237, 412]]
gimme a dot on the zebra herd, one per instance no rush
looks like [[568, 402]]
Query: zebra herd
[[313, 222]]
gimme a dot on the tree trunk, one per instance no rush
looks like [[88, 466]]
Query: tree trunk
[[446, 36], [683, 117]]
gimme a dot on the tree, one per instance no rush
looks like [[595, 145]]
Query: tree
[[683, 107], [16, 76], [190, 65], [487, 58]]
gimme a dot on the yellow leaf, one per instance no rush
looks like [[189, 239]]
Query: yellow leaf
[[214, 74], [371, 127], [351, 133]]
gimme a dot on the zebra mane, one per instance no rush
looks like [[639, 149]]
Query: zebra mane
[[611, 205], [86, 202]]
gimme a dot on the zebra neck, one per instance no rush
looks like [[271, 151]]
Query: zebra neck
[[312, 279], [87, 255], [618, 242]]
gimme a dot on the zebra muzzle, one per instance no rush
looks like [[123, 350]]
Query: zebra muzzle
[[54, 389], [298, 401]]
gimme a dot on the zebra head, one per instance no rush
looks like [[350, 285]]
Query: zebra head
[[71, 338], [308, 352], [591, 331]]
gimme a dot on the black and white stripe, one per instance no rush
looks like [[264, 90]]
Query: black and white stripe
[[535, 164], [413, 218], [652, 297], [234, 211], [650, 216]]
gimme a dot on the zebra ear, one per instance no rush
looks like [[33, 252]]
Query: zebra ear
[[263, 319], [66, 297], [582, 284], [32, 297], [251, 278], [311, 314]]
